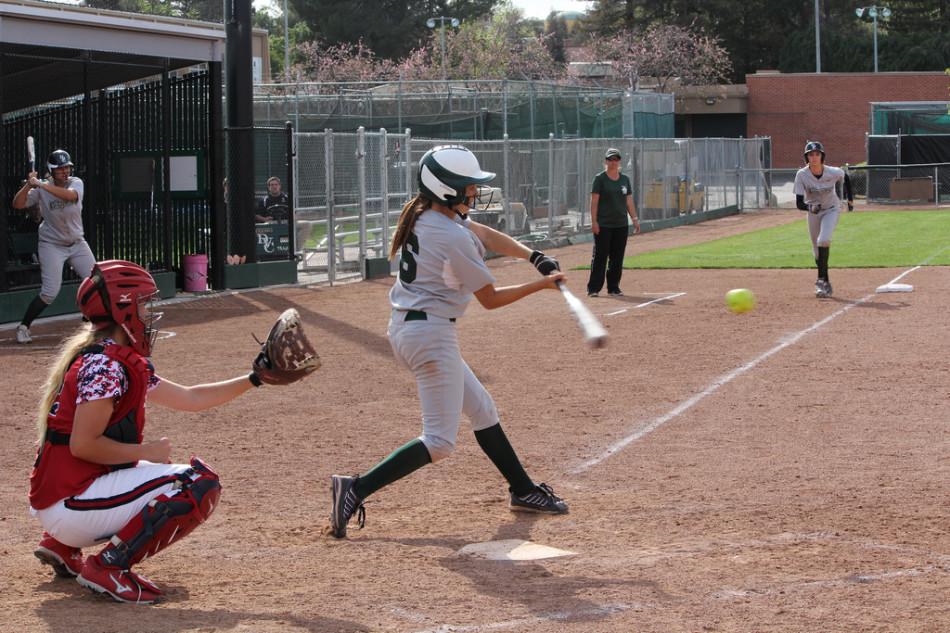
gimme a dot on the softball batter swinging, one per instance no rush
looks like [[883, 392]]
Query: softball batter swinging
[[60, 235], [816, 192], [441, 267]]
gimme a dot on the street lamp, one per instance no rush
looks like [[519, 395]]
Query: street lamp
[[872, 12], [286, 46], [442, 19]]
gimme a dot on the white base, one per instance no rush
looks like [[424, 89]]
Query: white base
[[895, 288], [512, 549]]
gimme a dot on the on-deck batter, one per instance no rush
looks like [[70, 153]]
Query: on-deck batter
[[816, 192], [60, 235], [441, 267]]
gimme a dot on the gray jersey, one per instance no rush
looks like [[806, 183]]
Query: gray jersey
[[441, 265], [819, 190], [62, 221]]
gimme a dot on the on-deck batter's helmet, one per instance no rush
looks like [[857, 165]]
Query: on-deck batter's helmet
[[446, 170], [112, 294], [814, 146], [58, 158]]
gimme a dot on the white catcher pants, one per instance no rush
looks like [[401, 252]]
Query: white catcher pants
[[118, 495], [447, 387]]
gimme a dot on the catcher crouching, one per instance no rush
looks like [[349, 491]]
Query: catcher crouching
[[95, 479]]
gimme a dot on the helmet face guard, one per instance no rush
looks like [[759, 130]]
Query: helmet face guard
[[445, 172], [813, 146], [119, 293]]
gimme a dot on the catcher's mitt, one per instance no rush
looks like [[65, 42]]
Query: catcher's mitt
[[286, 356]]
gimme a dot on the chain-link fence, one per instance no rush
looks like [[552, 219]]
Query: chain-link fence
[[351, 186], [875, 184], [474, 109]]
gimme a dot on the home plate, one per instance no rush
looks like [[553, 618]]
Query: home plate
[[895, 288], [513, 549]]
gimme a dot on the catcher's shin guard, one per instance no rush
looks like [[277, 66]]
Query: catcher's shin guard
[[166, 519]]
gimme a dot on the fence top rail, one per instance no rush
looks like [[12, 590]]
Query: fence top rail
[[904, 166]]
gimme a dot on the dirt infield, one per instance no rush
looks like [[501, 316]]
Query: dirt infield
[[781, 470]]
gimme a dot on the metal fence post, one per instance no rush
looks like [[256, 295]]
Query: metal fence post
[[291, 224], [505, 181], [361, 180], [758, 180], [331, 230], [936, 188], [550, 183], [384, 185], [407, 149], [722, 180], [740, 181], [582, 199], [504, 116]]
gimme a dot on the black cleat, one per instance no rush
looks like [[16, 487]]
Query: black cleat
[[345, 504], [542, 499]]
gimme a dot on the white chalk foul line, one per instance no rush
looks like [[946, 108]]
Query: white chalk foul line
[[554, 616], [645, 304], [684, 406]]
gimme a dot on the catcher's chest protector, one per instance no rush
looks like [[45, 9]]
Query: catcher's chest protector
[[57, 474]]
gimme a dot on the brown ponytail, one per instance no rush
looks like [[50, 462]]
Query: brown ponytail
[[407, 220]]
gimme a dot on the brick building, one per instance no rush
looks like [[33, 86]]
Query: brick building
[[833, 108]]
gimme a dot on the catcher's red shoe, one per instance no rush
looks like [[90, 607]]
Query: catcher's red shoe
[[121, 585], [66, 561]]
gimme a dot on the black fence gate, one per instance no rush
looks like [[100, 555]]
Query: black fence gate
[[146, 156]]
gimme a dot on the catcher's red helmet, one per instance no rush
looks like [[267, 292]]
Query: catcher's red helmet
[[112, 294]]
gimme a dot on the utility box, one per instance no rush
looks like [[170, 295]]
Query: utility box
[[919, 188]]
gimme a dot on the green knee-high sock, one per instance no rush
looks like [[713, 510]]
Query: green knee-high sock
[[33, 310], [496, 445], [404, 460]]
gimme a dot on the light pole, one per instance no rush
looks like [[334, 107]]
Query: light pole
[[817, 38], [286, 46], [873, 12], [431, 24]]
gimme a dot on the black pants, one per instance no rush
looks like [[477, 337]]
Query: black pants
[[609, 246]]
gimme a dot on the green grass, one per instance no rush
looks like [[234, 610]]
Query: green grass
[[319, 231], [861, 240]]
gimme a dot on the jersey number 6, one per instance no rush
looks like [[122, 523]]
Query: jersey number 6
[[407, 263]]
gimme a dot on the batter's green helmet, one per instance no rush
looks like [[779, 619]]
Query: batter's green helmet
[[446, 170]]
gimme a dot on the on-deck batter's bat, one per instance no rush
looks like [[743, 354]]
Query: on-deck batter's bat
[[31, 152], [594, 332]]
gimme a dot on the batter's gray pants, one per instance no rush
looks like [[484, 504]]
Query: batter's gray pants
[[53, 256], [821, 226]]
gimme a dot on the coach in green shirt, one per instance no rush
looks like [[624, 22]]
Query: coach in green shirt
[[611, 201]]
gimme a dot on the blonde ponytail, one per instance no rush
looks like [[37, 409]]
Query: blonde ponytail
[[407, 220], [68, 351]]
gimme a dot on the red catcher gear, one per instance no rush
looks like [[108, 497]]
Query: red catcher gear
[[165, 519], [113, 293], [57, 474]]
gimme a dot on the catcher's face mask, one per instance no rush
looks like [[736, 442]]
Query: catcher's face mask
[[145, 323]]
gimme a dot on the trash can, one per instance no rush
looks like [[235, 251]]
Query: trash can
[[195, 272]]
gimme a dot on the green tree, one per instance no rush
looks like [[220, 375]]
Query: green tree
[[609, 17], [390, 28], [299, 33], [206, 10], [555, 28]]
